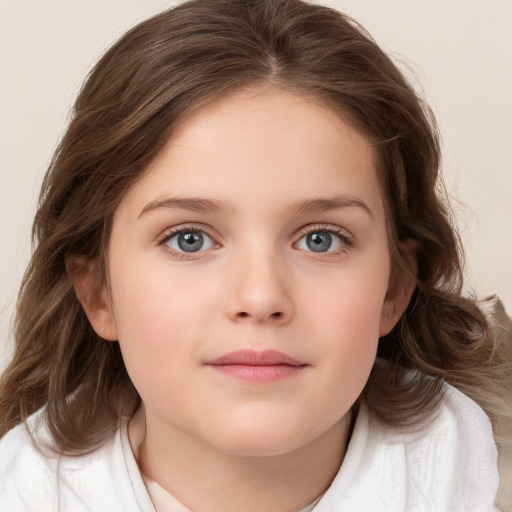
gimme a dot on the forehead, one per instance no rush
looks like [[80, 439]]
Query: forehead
[[262, 147]]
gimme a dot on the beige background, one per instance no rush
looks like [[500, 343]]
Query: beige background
[[458, 50]]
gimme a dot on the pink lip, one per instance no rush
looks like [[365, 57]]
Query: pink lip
[[254, 366]]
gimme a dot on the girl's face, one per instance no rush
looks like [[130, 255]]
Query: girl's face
[[249, 271]]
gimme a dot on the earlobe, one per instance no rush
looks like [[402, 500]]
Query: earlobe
[[95, 303], [400, 289]]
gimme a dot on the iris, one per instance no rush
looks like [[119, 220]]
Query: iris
[[190, 241], [319, 241]]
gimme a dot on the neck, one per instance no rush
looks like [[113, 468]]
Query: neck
[[205, 478]]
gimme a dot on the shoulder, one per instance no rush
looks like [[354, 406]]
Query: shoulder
[[454, 455], [459, 422], [34, 477], [448, 463], [27, 473]]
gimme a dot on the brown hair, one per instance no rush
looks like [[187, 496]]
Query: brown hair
[[159, 72]]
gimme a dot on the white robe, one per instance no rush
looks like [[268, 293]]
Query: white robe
[[449, 465]]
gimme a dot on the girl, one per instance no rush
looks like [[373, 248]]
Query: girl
[[246, 288]]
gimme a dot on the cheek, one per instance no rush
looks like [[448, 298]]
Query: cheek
[[158, 337], [351, 300], [347, 316], [160, 315], [352, 334], [344, 329]]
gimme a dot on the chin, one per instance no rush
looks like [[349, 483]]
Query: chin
[[251, 441]]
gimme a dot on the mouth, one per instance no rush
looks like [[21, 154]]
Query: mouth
[[257, 367]]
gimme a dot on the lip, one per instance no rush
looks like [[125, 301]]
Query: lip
[[257, 366]]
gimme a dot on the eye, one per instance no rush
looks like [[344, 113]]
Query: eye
[[322, 240], [188, 241]]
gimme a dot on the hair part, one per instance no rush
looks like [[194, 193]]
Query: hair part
[[153, 77]]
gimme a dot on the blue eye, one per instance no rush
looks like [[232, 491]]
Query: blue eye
[[189, 241], [321, 241]]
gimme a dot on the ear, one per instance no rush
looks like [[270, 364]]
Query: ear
[[400, 290], [95, 303]]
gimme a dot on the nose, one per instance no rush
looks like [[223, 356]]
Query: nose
[[259, 290]]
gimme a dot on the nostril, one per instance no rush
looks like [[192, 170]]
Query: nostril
[[244, 314]]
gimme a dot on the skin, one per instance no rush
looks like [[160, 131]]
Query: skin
[[264, 158]]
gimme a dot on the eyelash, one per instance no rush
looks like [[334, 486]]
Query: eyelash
[[172, 232], [345, 238]]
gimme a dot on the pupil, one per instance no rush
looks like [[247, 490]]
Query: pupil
[[319, 242], [190, 242]]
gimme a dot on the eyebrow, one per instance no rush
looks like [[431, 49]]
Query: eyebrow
[[322, 204], [305, 206], [194, 204]]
